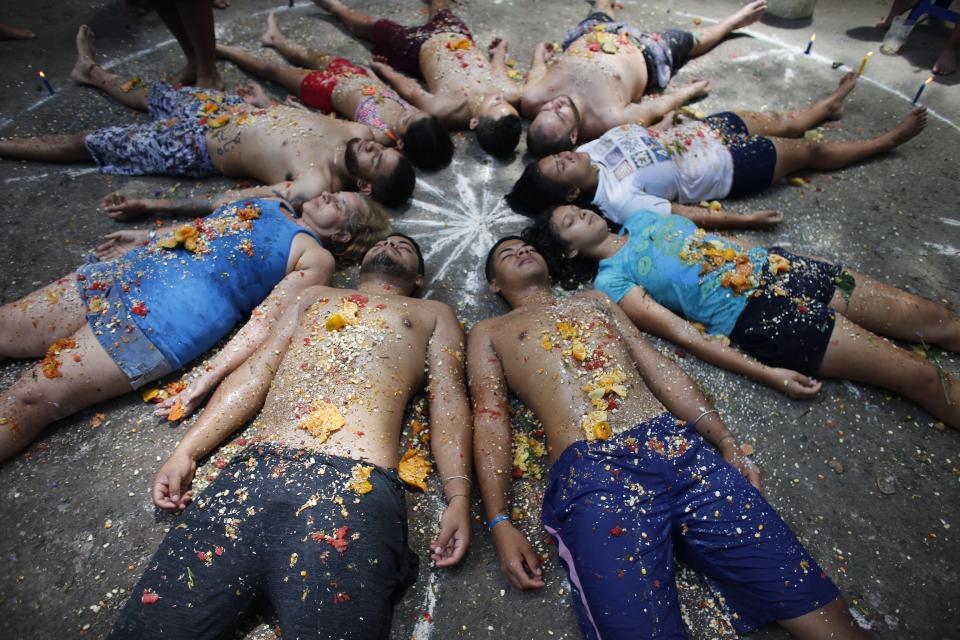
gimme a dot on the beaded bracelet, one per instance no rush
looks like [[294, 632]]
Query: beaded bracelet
[[497, 520]]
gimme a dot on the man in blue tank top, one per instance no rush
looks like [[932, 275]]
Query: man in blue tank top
[[311, 512], [114, 326]]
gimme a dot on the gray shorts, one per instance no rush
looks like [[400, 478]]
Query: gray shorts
[[173, 143]]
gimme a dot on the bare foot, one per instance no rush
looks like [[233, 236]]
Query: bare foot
[[749, 14], [946, 63], [909, 127], [835, 101], [213, 81], [699, 89], [15, 33], [82, 70], [221, 4], [185, 76], [273, 34]]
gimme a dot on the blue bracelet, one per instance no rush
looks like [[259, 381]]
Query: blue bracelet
[[496, 520]]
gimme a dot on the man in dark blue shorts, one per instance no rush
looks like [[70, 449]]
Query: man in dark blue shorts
[[633, 480], [310, 513], [604, 69]]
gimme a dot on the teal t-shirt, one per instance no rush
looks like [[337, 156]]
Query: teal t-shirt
[[664, 254]]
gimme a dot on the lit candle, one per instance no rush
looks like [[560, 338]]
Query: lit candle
[[863, 64], [923, 85], [43, 77], [810, 45]]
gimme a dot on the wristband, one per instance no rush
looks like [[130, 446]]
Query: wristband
[[497, 520], [720, 441]]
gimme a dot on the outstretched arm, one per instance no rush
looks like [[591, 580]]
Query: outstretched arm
[[651, 317], [679, 393], [707, 219], [652, 110], [315, 267], [236, 401], [492, 455], [408, 88], [450, 436]]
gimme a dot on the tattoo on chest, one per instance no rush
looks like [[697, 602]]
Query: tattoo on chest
[[225, 144]]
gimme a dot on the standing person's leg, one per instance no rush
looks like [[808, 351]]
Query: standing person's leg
[[709, 37], [297, 54], [167, 11], [795, 155], [897, 314], [65, 148], [87, 72], [284, 75], [946, 64], [80, 375], [359, 24], [793, 124], [898, 7], [29, 325], [859, 355], [196, 18]]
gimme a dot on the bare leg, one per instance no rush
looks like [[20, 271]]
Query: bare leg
[[856, 354], [897, 314], [793, 124], [794, 155], [196, 17], [29, 325], [829, 621], [14, 33], [282, 74], [88, 375], [171, 17], [87, 71], [711, 36], [603, 6], [946, 64], [297, 54], [436, 6], [898, 7], [68, 147], [359, 24]]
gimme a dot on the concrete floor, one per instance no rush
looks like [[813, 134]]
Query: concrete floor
[[869, 481]]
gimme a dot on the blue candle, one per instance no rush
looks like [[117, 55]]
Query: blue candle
[[810, 45], [43, 77], [923, 85]]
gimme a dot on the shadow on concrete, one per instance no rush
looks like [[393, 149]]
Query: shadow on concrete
[[786, 23]]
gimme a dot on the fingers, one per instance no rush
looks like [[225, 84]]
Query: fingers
[[525, 570]]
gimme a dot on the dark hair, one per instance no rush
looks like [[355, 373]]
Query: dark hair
[[427, 143], [539, 145], [533, 191], [499, 137], [488, 265], [416, 247], [569, 273], [395, 189]]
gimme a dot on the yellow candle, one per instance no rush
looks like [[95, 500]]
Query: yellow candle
[[863, 64]]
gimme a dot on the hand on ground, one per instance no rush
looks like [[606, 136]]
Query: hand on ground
[[254, 94], [454, 537], [745, 466], [793, 384], [189, 399], [118, 243], [171, 486], [765, 219], [517, 558], [120, 207], [543, 51]]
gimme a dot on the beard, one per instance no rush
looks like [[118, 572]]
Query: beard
[[350, 157], [385, 265]]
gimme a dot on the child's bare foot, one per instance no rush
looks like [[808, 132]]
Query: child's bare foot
[[749, 14], [83, 68], [946, 63], [15, 33], [273, 34], [187, 75], [910, 127], [835, 101]]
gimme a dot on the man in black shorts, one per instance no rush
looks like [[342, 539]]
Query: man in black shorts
[[603, 71], [310, 513]]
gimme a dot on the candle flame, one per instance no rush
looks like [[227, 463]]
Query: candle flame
[[42, 74], [869, 53], [928, 80], [813, 37]]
